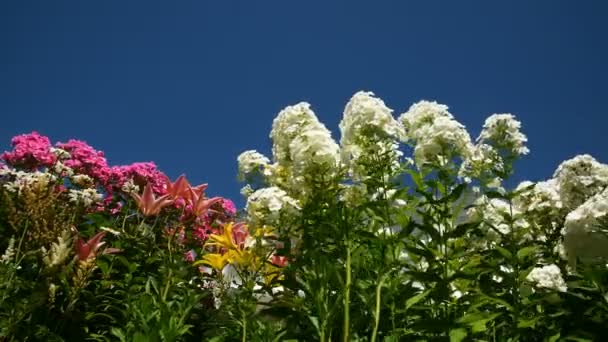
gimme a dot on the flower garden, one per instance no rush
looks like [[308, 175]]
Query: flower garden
[[403, 230]]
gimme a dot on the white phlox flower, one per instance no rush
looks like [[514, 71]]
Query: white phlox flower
[[580, 178], [251, 161], [503, 132], [549, 276], [585, 233], [436, 136], [267, 205]]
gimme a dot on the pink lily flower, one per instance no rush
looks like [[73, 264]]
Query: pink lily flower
[[90, 249], [200, 204], [150, 205], [181, 189]]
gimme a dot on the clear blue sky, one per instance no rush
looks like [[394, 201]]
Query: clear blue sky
[[191, 84]]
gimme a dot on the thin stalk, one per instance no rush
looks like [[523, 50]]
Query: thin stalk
[[377, 309], [244, 337], [346, 328]]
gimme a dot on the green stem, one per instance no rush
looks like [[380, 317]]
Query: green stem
[[244, 338], [166, 290], [377, 310], [347, 292]]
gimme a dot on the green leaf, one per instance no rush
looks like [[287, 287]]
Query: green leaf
[[477, 320], [415, 299], [315, 321], [504, 252], [457, 335], [528, 323], [524, 252], [462, 229]]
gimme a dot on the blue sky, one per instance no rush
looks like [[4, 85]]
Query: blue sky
[[191, 84]]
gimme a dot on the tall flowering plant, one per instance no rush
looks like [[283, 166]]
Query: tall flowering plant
[[404, 229]]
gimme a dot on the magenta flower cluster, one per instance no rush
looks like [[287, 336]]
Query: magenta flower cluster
[[33, 151], [30, 151]]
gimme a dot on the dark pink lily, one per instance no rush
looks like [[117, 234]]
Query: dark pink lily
[[200, 204], [90, 249], [181, 188], [148, 203]]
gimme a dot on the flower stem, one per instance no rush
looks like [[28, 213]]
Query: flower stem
[[347, 292], [377, 310]]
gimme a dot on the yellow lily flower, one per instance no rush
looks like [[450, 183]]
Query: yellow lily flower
[[224, 239], [215, 261]]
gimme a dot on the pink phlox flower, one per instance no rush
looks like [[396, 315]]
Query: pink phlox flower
[[228, 207], [190, 255], [142, 174], [30, 151], [201, 233], [86, 160]]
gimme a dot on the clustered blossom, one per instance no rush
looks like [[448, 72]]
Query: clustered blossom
[[301, 146], [549, 276], [483, 163], [266, 205], [437, 136], [366, 115], [251, 161], [85, 197], [141, 174], [21, 181], [81, 164], [584, 232], [502, 131], [494, 212], [369, 135], [580, 178], [30, 151], [85, 159], [542, 197]]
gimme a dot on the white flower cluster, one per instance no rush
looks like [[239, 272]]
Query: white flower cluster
[[437, 136], [580, 178], [63, 170], [299, 138], [28, 180], [549, 276], [542, 197], [251, 161], [584, 234], [129, 187], [9, 253], [85, 197], [83, 181], [60, 153], [482, 163], [366, 115], [267, 205], [503, 132], [302, 146], [494, 212], [369, 130], [59, 251]]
